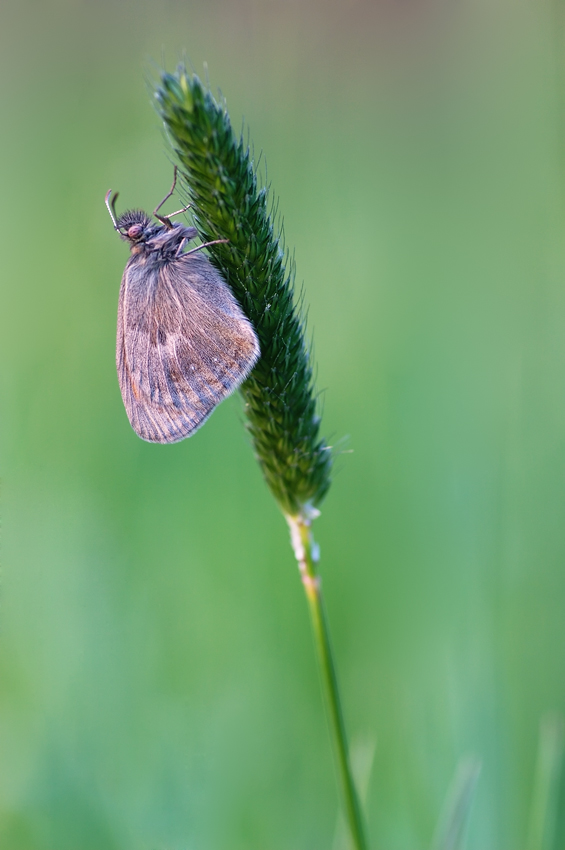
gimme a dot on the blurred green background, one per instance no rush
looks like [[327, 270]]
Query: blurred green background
[[158, 682]]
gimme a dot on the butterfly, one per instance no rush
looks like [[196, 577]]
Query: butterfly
[[183, 341]]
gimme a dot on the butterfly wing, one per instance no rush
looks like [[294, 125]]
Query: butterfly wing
[[183, 345]]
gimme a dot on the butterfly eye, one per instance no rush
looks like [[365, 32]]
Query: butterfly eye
[[135, 231]]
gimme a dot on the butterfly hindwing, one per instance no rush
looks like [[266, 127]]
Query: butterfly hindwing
[[183, 345]]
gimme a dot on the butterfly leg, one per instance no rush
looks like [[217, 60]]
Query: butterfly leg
[[181, 247], [205, 245], [166, 219]]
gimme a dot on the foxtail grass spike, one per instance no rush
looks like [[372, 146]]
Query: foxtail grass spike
[[228, 203]]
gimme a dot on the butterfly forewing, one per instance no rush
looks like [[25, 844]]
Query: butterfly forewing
[[183, 345]]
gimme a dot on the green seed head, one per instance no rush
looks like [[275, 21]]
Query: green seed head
[[280, 402]]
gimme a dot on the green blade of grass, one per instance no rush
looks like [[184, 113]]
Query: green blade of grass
[[452, 826], [543, 817]]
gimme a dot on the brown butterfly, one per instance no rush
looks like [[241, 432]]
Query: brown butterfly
[[183, 342]]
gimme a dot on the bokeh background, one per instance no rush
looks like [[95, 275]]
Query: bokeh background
[[158, 686]]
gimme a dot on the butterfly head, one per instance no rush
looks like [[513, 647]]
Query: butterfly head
[[161, 239], [135, 226]]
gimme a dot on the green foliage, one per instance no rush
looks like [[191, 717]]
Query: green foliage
[[228, 204]]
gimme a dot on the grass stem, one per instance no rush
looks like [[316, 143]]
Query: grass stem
[[306, 551]]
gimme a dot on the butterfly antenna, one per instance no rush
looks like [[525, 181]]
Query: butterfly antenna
[[111, 206]]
